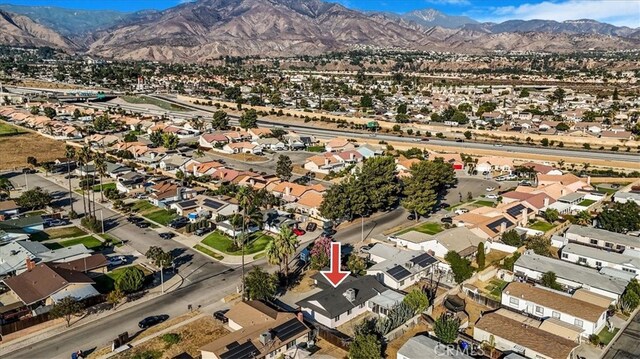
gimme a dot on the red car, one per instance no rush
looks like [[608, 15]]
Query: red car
[[298, 232]]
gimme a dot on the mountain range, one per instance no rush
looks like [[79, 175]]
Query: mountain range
[[207, 29]]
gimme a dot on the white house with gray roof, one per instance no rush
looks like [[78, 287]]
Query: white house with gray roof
[[423, 347], [602, 238], [572, 276], [398, 268], [624, 197], [627, 261], [461, 240], [13, 256]]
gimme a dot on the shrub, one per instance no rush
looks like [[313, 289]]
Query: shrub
[[171, 338], [594, 339]]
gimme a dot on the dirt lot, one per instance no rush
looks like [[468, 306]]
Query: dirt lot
[[192, 337], [16, 149], [395, 345]]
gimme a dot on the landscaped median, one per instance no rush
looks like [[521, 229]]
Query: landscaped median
[[256, 243]]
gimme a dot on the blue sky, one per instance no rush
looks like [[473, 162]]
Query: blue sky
[[617, 12]]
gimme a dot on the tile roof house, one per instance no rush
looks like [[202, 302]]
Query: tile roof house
[[47, 284], [333, 307], [339, 144], [511, 335], [259, 331], [544, 303], [211, 140]]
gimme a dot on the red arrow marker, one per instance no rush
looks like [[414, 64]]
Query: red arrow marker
[[335, 276]]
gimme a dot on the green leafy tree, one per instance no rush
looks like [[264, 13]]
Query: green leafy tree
[[131, 280], [468, 135], [220, 120], [260, 285], [66, 308], [551, 215], [156, 138], [480, 257], [102, 123], [36, 198], [562, 127], [427, 182], [540, 245], [512, 238], [446, 328], [49, 112], [417, 300], [550, 280], [510, 261], [461, 267], [558, 95], [115, 297], [170, 141], [34, 110], [365, 347], [357, 265], [284, 168], [629, 301], [130, 137], [366, 101], [620, 217], [249, 119]]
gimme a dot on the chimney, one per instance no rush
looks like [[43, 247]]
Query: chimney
[[546, 202], [326, 161], [503, 227], [589, 180], [300, 317], [287, 191], [30, 264], [525, 219], [563, 192], [351, 156]]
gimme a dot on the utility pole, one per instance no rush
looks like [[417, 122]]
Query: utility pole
[[162, 276]]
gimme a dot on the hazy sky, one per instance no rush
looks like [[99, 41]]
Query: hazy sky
[[617, 12]]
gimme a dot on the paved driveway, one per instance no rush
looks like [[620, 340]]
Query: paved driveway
[[628, 344]]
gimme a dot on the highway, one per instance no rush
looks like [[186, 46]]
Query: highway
[[316, 130]]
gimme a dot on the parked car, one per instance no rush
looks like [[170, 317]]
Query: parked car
[[492, 196], [411, 217], [489, 189], [497, 145], [69, 176], [167, 235], [28, 170], [57, 223], [459, 140], [461, 211], [117, 260], [447, 220], [134, 219], [202, 231], [366, 249], [328, 232], [298, 232], [178, 222], [424, 139], [142, 224], [311, 226], [416, 140], [221, 315], [151, 321]]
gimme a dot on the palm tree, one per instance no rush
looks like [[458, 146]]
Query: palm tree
[[100, 164], [5, 187], [286, 242], [245, 198], [83, 159], [70, 153], [273, 255]]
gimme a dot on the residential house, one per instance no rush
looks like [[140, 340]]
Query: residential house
[[624, 197], [14, 255], [397, 268], [257, 133], [309, 204], [291, 192], [323, 163], [45, 284], [242, 147], [274, 219], [532, 266], [518, 334], [495, 164], [569, 180], [8, 208], [627, 261], [453, 159], [173, 163], [116, 169], [368, 151], [423, 347], [165, 192], [602, 238], [545, 303], [199, 169], [93, 266], [29, 225], [542, 169], [237, 136], [270, 143], [212, 140], [334, 306], [461, 240], [339, 145], [214, 207], [129, 182], [259, 331]]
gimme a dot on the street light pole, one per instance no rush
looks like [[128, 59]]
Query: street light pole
[[162, 277], [362, 228], [102, 221], [26, 181]]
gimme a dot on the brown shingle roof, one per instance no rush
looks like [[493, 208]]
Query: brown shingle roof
[[84, 264], [556, 301], [526, 336], [43, 281]]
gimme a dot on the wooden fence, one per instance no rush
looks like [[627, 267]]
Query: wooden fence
[[336, 338]]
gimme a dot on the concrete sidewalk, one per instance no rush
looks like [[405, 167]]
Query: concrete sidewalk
[[17, 342]]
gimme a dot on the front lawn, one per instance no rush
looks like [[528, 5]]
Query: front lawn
[[115, 241], [586, 203], [104, 186], [483, 203], [315, 149], [430, 228], [58, 233], [161, 216], [141, 206], [106, 282], [90, 242], [257, 242], [606, 336], [541, 226]]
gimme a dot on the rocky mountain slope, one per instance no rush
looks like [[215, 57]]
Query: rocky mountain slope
[[208, 29], [21, 30]]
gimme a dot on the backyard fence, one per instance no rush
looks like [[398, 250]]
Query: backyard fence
[[334, 337]]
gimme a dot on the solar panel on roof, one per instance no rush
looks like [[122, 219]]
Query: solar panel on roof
[[399, 272], [515, 210], [289, 329], [423, 260], [495, 225], [240, 351], [213, 204]]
